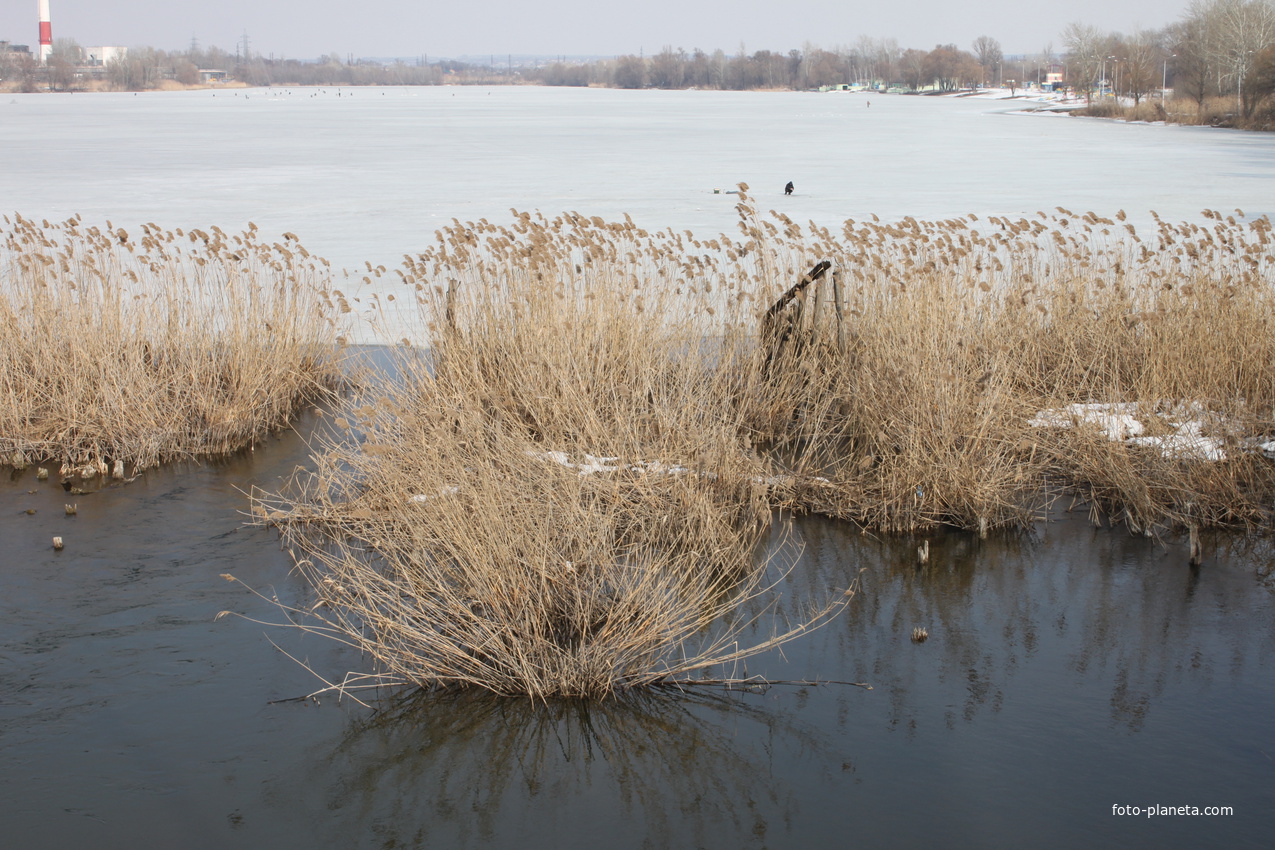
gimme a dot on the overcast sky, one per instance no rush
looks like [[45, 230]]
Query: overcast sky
[[306, 29]]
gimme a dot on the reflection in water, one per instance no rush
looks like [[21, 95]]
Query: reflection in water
[[1066, 670], [690, 769], [1099, 607]]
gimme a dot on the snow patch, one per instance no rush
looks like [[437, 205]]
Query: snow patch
[[1124, 422], [1117, 421]]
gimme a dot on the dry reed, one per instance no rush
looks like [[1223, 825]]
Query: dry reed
[[564, 497], [558, 503], [142, 348], [900, 390]]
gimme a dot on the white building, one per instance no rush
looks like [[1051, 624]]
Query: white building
[[103, 55]]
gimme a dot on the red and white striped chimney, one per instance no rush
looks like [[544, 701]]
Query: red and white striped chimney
[[46, 32]]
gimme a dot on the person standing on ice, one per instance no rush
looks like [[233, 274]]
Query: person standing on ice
[[788, 188]]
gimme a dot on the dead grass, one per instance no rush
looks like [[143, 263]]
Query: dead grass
[[560, 504], [898, 390], [152, 346], [565, 496]]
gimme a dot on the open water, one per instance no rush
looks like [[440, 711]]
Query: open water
[[1068, 670]]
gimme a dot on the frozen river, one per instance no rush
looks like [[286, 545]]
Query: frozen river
[[1070, 671], [370, 174]]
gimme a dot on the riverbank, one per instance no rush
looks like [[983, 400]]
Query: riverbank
[[92, 86], [1213, 112]]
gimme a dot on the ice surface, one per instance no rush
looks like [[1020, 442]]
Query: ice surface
[[372, 174]]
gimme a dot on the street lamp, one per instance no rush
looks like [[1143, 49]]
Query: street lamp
[[1164, 75]]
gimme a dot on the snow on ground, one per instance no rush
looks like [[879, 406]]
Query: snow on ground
[[1195, 435], [1032, 100]]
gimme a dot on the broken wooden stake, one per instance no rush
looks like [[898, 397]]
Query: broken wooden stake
[[776, 332]]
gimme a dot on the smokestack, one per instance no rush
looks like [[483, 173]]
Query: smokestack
[[46, 32]]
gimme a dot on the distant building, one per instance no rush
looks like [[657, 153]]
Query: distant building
[[103, 55], [212, 75], [9, 49]]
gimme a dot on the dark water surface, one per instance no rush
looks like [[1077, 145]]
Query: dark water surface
[[1067, 670]]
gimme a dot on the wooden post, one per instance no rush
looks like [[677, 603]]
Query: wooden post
[[839, 308], [779, 324], [815, 310]]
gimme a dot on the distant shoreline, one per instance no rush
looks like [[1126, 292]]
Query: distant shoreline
[[98, 86], [1215, 112]]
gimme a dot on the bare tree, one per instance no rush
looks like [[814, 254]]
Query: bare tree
[[887, 58], [951, 68], [1193, 73], [1227, 36], [630, 72], [122, 74], [827, 69], [1247, 27], [62, 63], [24, 67], [988, 52], [1085, 56], [1260, 85], [668, 69], [68, 49], [699, 70], [1140, 64], [185, 72], [912, 67]]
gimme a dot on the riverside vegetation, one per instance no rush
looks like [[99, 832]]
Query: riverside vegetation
[[135, 349], [562, 488], [904, 389], [564, 491]]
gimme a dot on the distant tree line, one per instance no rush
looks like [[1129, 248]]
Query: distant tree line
[[144, 68], [1219, 50], [869, 61]]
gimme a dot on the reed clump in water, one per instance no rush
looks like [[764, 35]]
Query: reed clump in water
[[558, 503], [564, 497], [958, 334], [156, 345], [907, 422], [902, 389]]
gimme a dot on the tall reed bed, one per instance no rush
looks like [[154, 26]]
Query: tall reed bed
[[145, 347], [902, 388], [560, 501], [564, 493], [954, 335]]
